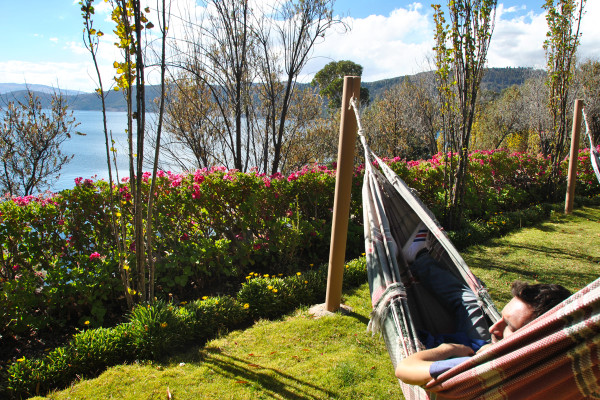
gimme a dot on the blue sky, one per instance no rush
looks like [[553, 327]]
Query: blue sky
[[42, 41]]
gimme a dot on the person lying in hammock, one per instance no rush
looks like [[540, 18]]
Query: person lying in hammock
[[528, 303]]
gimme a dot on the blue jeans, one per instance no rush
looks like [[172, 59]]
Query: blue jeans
[[454, 293]]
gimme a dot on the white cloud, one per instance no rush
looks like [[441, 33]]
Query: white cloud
[[386, 46], [54, 40], [518, 41]]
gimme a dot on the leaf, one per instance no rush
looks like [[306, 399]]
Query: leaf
[[149, 25]]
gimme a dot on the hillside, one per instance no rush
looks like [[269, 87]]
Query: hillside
[[495, 79]]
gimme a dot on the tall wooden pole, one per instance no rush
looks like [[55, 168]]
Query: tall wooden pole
[[572, 177], [341, 203]]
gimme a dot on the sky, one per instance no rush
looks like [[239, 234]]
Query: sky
[[42, 40]]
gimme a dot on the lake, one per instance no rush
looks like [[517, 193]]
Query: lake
[[89, 151]]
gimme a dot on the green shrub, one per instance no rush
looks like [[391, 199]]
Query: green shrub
[[155, 329], [210, 316]]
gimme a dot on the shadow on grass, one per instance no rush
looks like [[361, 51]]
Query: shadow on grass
[[273, 382], [565, 276]]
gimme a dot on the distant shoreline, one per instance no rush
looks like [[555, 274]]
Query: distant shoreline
[[495, 79]]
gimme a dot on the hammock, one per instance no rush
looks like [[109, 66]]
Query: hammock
[[594, 156], [554, 357]]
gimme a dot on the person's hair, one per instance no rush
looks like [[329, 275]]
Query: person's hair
[[541, 297]]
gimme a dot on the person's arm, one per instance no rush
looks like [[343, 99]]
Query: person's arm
[[414, 369]]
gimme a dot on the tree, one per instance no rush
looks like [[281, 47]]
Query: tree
[[132, 25], [501, 122], [403, 121], [330, 81], [589, 77], [249, 60], [564, 19], [190, 121], [303, 22], [536, 114], [30, 140], [460, 70], [218, 52]]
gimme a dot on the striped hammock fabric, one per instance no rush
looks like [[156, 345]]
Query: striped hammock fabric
[[554, 357]]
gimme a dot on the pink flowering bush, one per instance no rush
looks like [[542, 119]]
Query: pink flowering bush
[[215, 226]]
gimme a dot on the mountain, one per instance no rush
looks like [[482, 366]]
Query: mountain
[[115, 101], [17, 87], [494, 80]]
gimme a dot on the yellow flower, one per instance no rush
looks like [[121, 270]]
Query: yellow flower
[[305, 281], [311, 265], [163, 325], [246, 305], [86, 323], [363, 254], [298, 273], [347, 266], [118, 214], [266, 275], [248, 278], [21, 359], [274, 290], [204, 297], [269, 287], [183, 303], [125, 266]]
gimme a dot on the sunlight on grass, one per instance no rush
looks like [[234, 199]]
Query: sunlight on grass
[[300, 357], [563, 250]]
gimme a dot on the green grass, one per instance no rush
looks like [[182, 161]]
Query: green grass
[[300, 357]]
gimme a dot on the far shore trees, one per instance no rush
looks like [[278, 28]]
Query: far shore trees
[[30, 140]]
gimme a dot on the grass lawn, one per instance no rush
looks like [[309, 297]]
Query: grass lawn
[[300, 357]]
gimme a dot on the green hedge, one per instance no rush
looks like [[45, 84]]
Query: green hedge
[[59, 265]]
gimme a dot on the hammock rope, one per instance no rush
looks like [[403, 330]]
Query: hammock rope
[[594, 155], [554, 357]]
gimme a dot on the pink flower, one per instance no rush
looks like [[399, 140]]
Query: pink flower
[[16, 267], [94, 255], [125, 180], [61, 221], [198, 176], [184, 236], [196, 194], [78, 181]]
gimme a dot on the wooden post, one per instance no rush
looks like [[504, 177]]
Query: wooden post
[[572, 177], [341, 203]]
